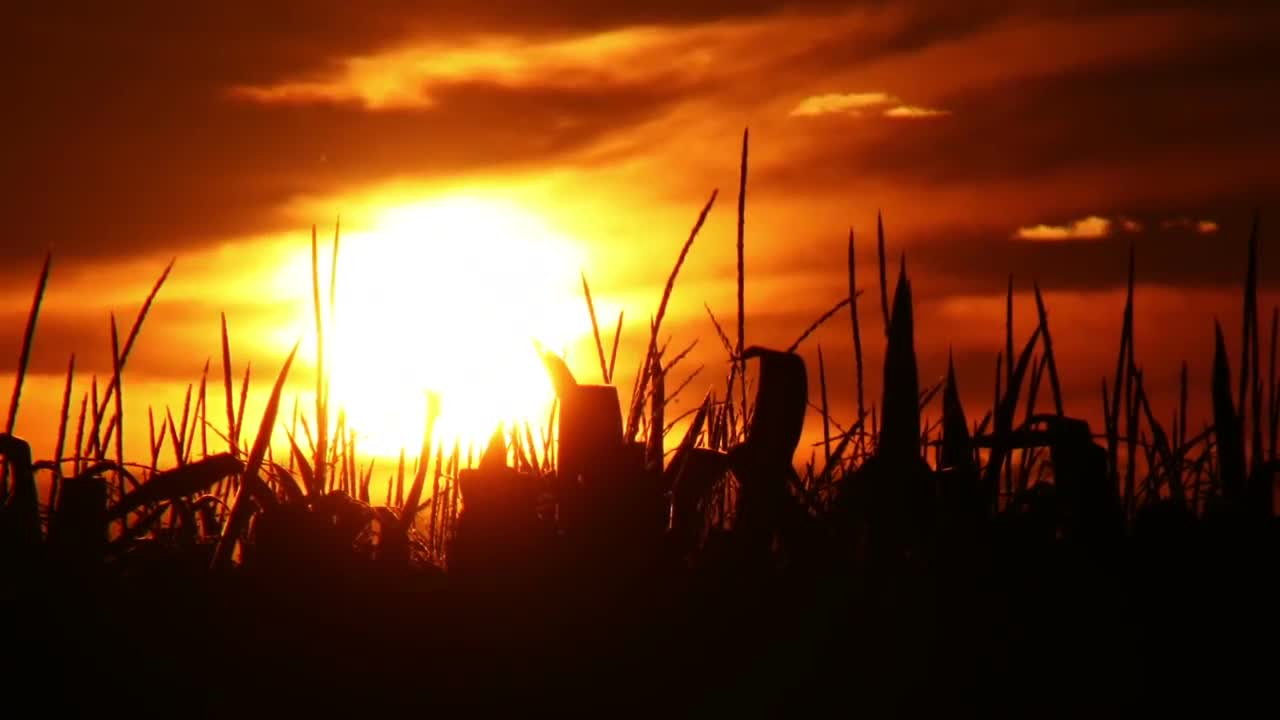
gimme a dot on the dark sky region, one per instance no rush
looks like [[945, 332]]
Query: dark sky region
[[1038, 139]]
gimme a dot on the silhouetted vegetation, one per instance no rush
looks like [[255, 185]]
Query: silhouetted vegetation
[[1019, 563]]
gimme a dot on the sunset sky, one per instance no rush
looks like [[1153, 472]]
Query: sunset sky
[[481, 157]]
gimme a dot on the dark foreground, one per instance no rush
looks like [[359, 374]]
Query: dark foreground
[[1021, 628]]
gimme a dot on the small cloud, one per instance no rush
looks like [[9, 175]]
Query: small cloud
[[1089, 228], [841, 103], [914, 111], [1204, 227], [1130, 225]]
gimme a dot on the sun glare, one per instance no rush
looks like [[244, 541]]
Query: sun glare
[[449, 296]]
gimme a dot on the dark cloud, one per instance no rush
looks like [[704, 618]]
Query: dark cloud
[[218, 168], [174, 341], [1219, 95], [122, 138]]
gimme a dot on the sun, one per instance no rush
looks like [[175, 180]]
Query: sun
[[448, 296]]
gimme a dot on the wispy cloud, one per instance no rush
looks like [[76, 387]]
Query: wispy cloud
[[914, 111], [1088, 228], [857, 104], [1130, 225], [841, 103]]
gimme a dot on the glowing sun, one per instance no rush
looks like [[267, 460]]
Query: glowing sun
[[448, 296]]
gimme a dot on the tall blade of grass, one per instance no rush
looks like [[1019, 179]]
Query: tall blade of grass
[[689, 442], [857, 330], [1226, 423], [293, 430], [826, 418], [202, 406], [79, 446], [352, 470], [304, 468], [28, 337], [95, 438], [548, 457], [1055, 385], [595, 329], [333, 272], [1250, 312], [515, 441], [657, 405], [63, 413], [1163, 449], [173, 436], [633, 418], [742, 277], [1026, 456], [399, 481], [368, 478], [818, 323], [884, 284], [238, 517], [1003, 420], [424, 457], [180, 442], [116, 370], [724, 339], [229, 386], [244, 394], [263, 439], [451, 507], [613, 354], [956, 444], [531, 448], [900, 419], [1113, 417], [335, 470], [151, 436], [435, 496], [322, 412], [133, 336]]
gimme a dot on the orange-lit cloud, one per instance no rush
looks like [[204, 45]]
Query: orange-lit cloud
[[411, 77], [1204, 227], [914, 112], [841, 103], [1088, 228], [856, 104]]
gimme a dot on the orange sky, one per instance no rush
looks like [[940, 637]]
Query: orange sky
[[1039, 141]]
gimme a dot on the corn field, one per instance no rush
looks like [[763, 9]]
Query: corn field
[[1013, 560]]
